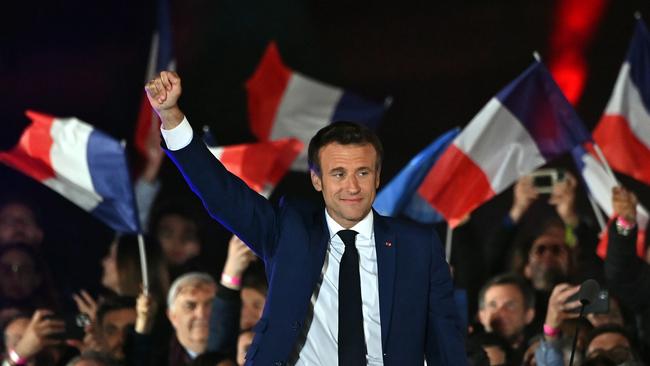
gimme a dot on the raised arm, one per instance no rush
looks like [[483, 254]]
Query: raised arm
[[227, 198]]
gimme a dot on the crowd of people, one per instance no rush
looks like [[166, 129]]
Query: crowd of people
[[523, 291]]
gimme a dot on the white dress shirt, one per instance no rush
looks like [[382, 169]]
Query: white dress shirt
[[319, 344]]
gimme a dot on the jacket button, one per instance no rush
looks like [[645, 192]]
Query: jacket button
[[295, 325], [278, 363]]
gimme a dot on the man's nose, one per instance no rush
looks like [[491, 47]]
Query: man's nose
[[353, 184], [203, 311]]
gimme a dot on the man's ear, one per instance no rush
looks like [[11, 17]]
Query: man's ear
[[316, 181], [171, 316]]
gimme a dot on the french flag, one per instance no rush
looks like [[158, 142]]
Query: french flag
[[400, 196], [524, 126], [161, 58], [600, 184], [285, 103], [623, 132], [80, 163], [260, 165]]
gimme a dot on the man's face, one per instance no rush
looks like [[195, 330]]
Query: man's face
[[17, 224], [505, 312], [19, 277], [349, 179], [251, 309], [190, 315], [548, 260], [178, 238], [113, 329]]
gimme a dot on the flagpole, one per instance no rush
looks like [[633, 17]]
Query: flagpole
[[448, 243], [143, 265], [599, 214]]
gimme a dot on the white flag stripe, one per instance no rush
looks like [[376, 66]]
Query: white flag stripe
[[482, 141], [69, 161], [626, 101], [307, 106]]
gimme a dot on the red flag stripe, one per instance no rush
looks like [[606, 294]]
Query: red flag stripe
[[32, 154], [265, 91], [623, 149], [455, 200]]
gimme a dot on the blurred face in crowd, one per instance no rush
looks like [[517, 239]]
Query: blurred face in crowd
[[504, 311], [348, 179], [113, 329], [14, 332], [178, 238], [252, 305], [548, 260], [19, 277], [243, 342], [18, 224], [190, 315], [613, 345], [110, 278]]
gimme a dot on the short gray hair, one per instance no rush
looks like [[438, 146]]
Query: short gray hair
[[188, 279]]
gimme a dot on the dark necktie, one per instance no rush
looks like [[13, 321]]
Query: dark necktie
[[352, 345]]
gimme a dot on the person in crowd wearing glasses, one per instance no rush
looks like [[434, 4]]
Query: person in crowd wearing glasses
[[506, 308]]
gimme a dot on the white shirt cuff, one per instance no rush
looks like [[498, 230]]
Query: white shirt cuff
[[179, 136]]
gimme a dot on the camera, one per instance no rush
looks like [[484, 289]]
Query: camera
[[545, 179]]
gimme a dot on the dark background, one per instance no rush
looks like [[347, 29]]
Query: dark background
[[440, 61]]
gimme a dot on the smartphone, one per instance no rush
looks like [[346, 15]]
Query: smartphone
[[72, 328], [600, 305], [545, 179]]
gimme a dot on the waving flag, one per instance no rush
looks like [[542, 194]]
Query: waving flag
[[400, 195], [160, 58], [600, 184], [260, 165], [525, 125], [285, 103], [623, 132], [82, 164]]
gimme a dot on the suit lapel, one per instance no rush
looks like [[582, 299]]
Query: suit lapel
[[318, 241], [386, 253]]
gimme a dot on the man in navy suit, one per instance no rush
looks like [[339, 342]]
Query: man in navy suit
[[388, 275]]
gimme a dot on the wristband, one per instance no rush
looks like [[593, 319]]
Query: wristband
[[623, 226], [550, 331], [16, 359], [231, 280]]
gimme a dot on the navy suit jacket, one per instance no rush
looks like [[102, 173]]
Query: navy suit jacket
[[417, 312]]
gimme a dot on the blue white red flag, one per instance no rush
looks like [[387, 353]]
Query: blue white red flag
[[80, 163], [526, 125], [400, 196], [285, 103], [623, 133]]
